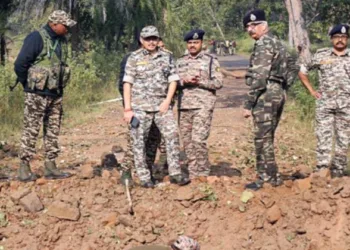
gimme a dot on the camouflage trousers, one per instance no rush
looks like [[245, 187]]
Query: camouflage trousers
[[154, 141], [266, 114], [195, 129], [330, 122], [40, 110], [168, 128]]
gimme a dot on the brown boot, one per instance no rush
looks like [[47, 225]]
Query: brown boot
[[25, 174], [52, 172]]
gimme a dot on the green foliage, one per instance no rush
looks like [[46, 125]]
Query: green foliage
[[305, 102]]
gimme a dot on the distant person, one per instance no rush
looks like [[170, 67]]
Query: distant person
[[332, 100], [232, 48], [265, 100], [41, 67]]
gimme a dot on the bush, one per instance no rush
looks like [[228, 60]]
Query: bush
[[92, 80], [303, 99]]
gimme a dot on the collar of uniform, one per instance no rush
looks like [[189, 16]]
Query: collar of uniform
[[146, 52], [347, 52], [199, 55]]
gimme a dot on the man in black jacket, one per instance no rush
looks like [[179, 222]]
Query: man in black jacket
[[42, 70]]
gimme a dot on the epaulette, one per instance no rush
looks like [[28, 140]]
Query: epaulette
[[211, 56], [137, 51], [167, 51], [322, 50]]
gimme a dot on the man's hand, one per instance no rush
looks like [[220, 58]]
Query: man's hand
[[128, 114], [247, 113], [191, 80], [315, 94], [164, 107]]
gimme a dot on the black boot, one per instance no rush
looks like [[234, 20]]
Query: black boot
[[25, 174], [147, 184], [179, 179], [337, 173], [52, 172]]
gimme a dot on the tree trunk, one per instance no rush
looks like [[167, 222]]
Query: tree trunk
[[216, 22], [2, 49], [298, 36], [75, 37]]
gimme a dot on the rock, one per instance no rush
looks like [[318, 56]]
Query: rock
[[108, 160], [325, 173], [150, 238], [246, 196], [288, 183], [184, 194], [117, 149], [86, 172], [110, 220], [106, 174], [159, 223], [101, 201], [125, 220], [63, 210], [304, 170], [16, 196], [41, 181], [31, 203], [345, 193], [303, 185], [268, 202], [139, 238], [212, 179], [273, 214]]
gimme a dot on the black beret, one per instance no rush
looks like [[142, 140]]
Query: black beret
[[339, 29], [254, 16], [196, 34]]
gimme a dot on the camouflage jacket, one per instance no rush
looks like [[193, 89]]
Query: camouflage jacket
[[150, 76], [268, 64], [334, 77], [202, 95]]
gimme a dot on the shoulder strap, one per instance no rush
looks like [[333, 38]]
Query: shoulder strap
[[210, 65]]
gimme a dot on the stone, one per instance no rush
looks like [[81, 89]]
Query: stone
[[41, 181], [16, 196], [110, 220], [212, 179], [273, 214], [125, 220], [246, 196], [304, 170], [31, 203], [86, 172], [303, 185], [184, 194], [288, 183], [117, 149], [106, 174], [108, 160], [63, 210]]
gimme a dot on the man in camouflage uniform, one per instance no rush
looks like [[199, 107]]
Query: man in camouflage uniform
[[200, 78], [332, 100], [41, 68], [149, 85], [266, 76]]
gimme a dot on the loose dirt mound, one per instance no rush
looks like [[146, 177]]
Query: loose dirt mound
[[93, 214]]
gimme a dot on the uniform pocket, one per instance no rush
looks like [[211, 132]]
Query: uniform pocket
[[54, 75], [37, 78]]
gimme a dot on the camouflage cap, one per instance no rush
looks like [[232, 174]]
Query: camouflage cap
[[60, 16], [149, 31]]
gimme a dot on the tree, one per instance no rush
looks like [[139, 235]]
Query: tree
[[298, 36]]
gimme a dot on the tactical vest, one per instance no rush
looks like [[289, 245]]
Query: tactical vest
[[49, 71]]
